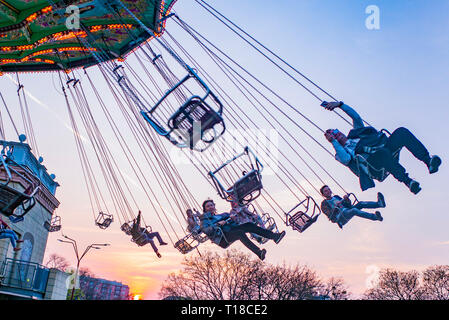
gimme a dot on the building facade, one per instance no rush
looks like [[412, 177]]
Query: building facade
[[101, 289], [22, 275]]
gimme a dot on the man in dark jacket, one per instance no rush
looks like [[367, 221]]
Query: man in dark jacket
[[370, 154], [340, 210], [142, 236]]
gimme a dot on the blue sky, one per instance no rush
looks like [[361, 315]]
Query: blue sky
[[396, 76]]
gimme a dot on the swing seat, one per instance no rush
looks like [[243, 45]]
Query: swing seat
[[141, 239], [104, 220], [377, 174], [11, 199], [180, 128], [301, 221], [247, 188], [126, 228], [54, 225], [14, 219], [190, 242], [195, 121], [266, 222], [183, 246]]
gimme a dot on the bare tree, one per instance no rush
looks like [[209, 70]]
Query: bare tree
[[85, 272], [335, 289], [235, 276], [436, 282], [396, 285], [56, 261], [211, 277]]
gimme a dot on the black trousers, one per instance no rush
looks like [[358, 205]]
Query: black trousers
[[399, 139], [238, 232]]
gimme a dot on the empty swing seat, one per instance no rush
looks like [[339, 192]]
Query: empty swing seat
[[301, 221], [190, 242], [126, 228], [183, 246], [193, 120], [104, 220], [196, 112], [54, 225], [247, 188], [11, 199]]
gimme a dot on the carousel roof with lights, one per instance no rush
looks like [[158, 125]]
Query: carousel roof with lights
[[41, 35]]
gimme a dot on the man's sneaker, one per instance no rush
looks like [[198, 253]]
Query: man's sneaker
[[434, 164], [158, 255], [262, 254], [17, 249], [379, 216], [414, 186], [381, 200], [163, 243], [19, 241], [280, 236]]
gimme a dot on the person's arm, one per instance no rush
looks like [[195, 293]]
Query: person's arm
[[325, 208], [5, 225], [342, 155], [357, 121]]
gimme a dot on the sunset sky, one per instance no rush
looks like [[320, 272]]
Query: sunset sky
[[395, 76]]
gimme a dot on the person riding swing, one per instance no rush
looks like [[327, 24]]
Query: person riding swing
[[142, 236], [367, 151], [7, 233], [340, 210], [223, 230]]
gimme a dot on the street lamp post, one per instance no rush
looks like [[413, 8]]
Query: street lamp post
[[78, 257]]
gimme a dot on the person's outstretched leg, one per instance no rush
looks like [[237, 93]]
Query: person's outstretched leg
[[249, 244], [380, 203], [8, 234], [158, 236], [383, 159], [362, 214], [253, 228], [153, 245], [402, 137]]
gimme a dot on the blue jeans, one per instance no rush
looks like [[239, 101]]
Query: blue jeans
[[150, 240], [347, 214], [11, 235], [399, 139]]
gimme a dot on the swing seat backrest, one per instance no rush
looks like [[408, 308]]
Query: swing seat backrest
[[105, 224], [141, 240], [104, 220], [11, 198], [51, 228], [195, 114], [300, 221], [183, 246], [126, 228], [54, 225], [247, 188]]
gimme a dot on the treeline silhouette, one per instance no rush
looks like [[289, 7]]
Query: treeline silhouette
[[237, 276]]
